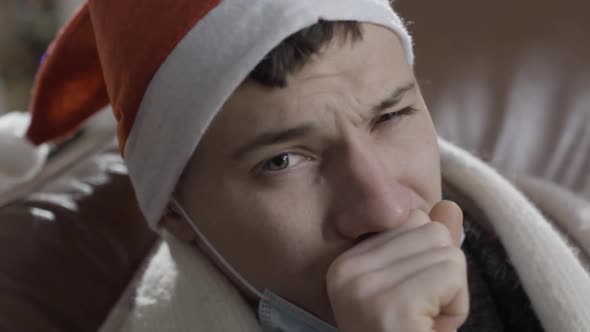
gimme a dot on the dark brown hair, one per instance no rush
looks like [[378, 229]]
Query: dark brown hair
[[295, 51]]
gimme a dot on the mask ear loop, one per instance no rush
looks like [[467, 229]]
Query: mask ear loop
[[224, 265]]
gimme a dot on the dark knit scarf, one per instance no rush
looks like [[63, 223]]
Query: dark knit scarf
[[498, 301]]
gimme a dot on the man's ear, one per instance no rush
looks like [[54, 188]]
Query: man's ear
[[173, 222]]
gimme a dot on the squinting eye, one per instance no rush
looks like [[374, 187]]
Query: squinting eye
[[282, 162], [395, 115]]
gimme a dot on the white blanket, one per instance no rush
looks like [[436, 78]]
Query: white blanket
[[179, 290]]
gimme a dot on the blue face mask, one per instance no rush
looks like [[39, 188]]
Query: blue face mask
[[278, 315], [275, 314]]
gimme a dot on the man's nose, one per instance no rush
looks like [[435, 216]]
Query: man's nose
[[367, 194]]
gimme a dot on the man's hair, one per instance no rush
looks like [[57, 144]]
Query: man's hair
[[295, 51]]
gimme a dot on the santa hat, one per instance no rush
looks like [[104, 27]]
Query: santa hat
[[167, 67]]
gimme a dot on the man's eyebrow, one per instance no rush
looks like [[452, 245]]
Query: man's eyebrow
[[394, 99], [272, 137], [285, 135]]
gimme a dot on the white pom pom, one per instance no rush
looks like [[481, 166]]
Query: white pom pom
[[19, 159], [14, 123]]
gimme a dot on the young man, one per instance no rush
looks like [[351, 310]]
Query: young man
[[292, 143]]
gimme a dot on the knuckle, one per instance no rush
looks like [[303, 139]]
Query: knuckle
[[451, 268], [456, 277], [446, 268], [418, 218], [454, 254], [439, 234], [446, 253], [459, 258], [454, 257]]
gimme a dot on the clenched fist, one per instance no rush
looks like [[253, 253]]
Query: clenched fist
[[410, 279]]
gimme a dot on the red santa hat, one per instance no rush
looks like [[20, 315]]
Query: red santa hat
[[167, 67]]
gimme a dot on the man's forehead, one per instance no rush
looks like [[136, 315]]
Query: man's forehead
[[359, 75], [376, 59]]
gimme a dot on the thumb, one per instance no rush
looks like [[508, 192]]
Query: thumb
[[449, 214]]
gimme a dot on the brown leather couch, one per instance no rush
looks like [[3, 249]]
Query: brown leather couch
[[68, 250], [508, 80]]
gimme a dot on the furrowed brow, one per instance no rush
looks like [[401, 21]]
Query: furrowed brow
[[394, 99]]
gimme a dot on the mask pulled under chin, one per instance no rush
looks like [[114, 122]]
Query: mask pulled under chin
[[278, 315], [275, 314]]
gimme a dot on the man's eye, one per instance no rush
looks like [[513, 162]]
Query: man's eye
[[395, 115], [282, 162]]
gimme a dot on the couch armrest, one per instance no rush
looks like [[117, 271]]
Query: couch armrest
[[68, 250]]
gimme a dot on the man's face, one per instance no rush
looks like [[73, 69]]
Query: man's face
[[287, 179]]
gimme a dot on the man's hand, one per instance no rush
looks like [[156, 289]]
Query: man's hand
[[410, 279]]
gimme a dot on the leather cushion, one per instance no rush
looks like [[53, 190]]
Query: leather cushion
[[68, 251]]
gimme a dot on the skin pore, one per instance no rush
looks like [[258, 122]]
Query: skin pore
[[285, 180]]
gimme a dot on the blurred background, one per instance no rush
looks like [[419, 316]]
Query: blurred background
[[26, 29]]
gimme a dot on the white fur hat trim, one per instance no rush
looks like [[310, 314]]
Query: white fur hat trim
[[20, 160]]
